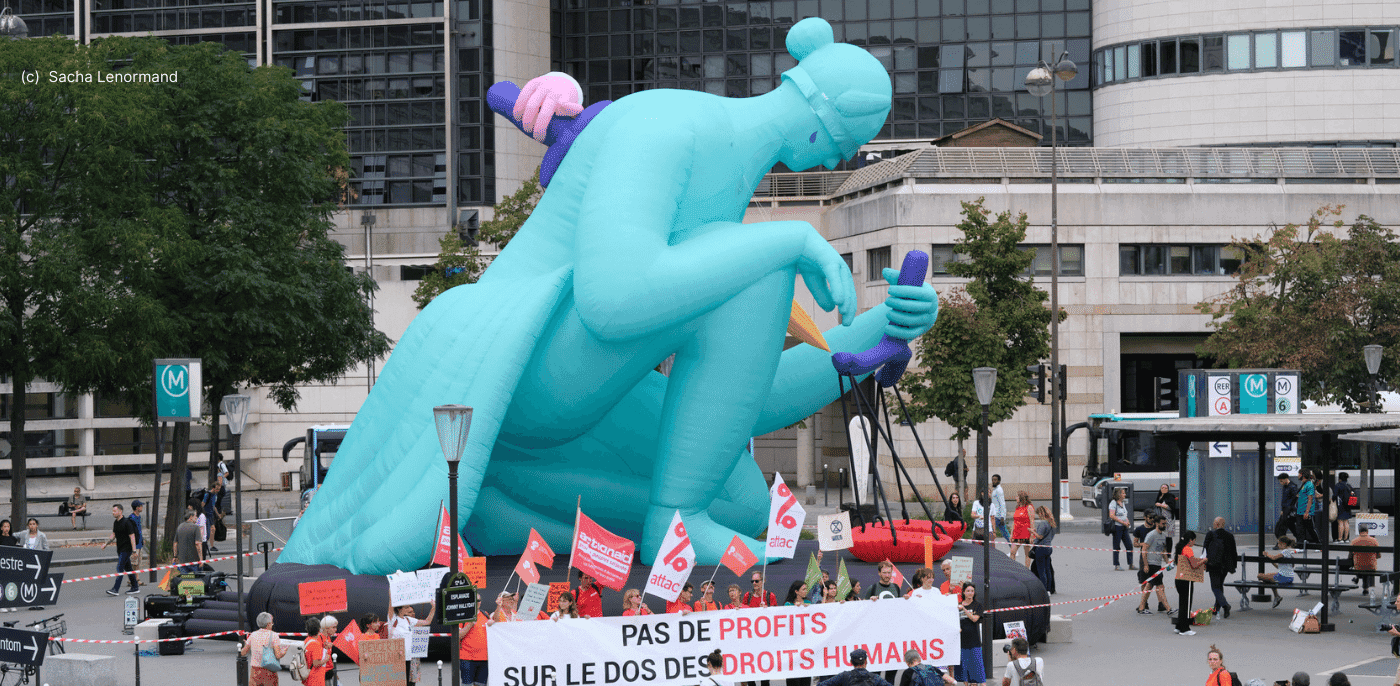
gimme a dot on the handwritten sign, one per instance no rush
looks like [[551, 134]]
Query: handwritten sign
[[475, 569], [414, 588], [536, 595], [381, 662], [962, 569], [1014, 629], [322, 596], [418, 643], [556, 588]]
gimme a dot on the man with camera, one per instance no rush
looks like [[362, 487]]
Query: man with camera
[[1021, 668], [1394, 631]]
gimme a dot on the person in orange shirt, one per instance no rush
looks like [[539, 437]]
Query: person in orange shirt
[[948, 587], [1364, 561], [318, 651], [682, 601], [736, 601], [1219, 676], [372, 627], [471, 650], [632, 605], [707, 598]]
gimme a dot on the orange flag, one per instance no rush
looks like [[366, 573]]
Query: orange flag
[[897, 578], [538, 551], [442, 554], [527, 570], [737, 557], [349, 641], [165, 581]]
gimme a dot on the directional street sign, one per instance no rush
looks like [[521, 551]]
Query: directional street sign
[[22, 564], [23, 647], [1220, 448], [31, 593], [1286, 449]]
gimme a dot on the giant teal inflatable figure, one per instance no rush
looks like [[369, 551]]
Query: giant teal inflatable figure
[[636, 252]]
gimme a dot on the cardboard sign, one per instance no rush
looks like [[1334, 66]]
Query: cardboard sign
[[381, 662], [317, 597], [536, 595], [834, 532], [418, 643], [415, 588], [962, 569], [555, 589]]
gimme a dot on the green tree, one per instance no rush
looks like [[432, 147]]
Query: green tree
[[998, 319], [460, 262], [76, 272], [1308, 298]]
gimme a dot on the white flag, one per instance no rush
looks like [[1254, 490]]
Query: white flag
[[674, 562], [785, 516], [834, 531]]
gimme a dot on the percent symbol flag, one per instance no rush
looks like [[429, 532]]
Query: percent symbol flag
[[538, 550], [674, 562], [785, 516], [349, 641], [737, 557], [527, 570]]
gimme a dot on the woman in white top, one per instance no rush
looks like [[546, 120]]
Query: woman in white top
[[567, 608], [714, 662], [1285, 575], [254, 647], [401, 623]]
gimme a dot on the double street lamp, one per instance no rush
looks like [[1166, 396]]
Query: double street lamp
[[453, 422], [1040, 82], [984, 381]]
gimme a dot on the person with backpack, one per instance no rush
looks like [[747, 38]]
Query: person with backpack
[[1021, 668], [920, 674], [1222, 559], [1219, 675], [858, 675], [1346, 499], [318, 651]]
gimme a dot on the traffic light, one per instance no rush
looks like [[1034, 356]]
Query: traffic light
[[1060, 384], [1163, 394], [1037, 382]]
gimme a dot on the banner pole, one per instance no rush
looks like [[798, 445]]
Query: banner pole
[[578, 509]]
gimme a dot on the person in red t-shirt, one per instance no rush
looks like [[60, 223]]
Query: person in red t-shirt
[[758, 597], [682, 602], [707, 597], [632, 604], [471, 649], [736, 599], [590, 596]]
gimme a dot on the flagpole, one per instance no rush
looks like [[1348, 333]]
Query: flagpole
[[578, 509]]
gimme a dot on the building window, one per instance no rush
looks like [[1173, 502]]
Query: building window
[[941, 256], [1071, 259], [850, 259], [414, 272], [876, 261], [1178, 260]]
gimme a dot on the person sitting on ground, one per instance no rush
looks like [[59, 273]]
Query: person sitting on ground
[[1285, 575], [1021, 665], [920, 674], [1364, 561], [77, 507], [857, 674]]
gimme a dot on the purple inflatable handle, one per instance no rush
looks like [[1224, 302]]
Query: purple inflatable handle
[[562, 131], [890, 355]]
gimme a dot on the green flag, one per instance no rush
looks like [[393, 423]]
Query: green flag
[[814, 573], [843, 581]]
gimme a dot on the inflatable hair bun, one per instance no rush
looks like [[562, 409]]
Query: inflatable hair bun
[[807, 36]]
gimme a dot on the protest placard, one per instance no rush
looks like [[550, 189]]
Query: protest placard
[[962, 569], [414, 588], [1015, 630], [381, 662], [475, 569], [536, 595], [418, 643], [555, 589], [317, 597]]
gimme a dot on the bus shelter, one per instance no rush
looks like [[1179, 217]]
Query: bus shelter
[[1378, 448], [1261, 429]]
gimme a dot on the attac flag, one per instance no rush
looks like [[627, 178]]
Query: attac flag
[[785, 518], [737, 557], [538, 550], [843, 581], [349, 641], [674, 562], [442, 554], [897, 578], [814, 573], [527, 570], [601, 554]]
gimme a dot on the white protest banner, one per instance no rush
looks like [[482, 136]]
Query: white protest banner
[[414, 588], [785, 518], [536, 595], [962, 569], [674, 561], [758, 643], [834, 531], [418, 642]]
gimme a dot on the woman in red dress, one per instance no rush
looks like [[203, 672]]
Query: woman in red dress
[[1021, 527]]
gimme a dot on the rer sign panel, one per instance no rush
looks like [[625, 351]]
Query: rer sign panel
[[1220, 387], [179, 385]]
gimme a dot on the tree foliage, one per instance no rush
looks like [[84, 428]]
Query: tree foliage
[[998, 319], [1308, 298], [460, 262]]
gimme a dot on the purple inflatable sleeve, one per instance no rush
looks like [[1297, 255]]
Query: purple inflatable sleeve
[[891, 354], [562, 131]]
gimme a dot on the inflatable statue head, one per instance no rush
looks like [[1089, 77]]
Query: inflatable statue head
[[846, 87]]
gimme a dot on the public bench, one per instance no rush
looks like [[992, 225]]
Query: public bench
[[1248, 581]]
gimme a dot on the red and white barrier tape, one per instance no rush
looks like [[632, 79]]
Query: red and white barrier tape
[[172, 566], [1109, 600]]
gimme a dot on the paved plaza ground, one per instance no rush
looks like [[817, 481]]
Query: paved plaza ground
[[1112, 646]]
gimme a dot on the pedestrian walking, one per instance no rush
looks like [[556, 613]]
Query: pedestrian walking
[[188, 548], [1222, 559], [1040, 554], [262, 644], [137, 508], [1308, 505], [1188, 572], [1165, 507], [124, 535], [1154, 558], [1287, 507], [1122, 521], [999, 510], [1021, 527]]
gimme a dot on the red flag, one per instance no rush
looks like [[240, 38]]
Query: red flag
[[349, 641], [527, 569], [897, 578], [538, 551], [737, 557], [602, 554], [442, 554]]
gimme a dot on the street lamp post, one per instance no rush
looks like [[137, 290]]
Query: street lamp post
[[11, 26], [1372, 353], [235, 409], [453, 423], [984, 380], [1041, 82]]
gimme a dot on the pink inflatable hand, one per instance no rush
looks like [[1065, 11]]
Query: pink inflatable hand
[[544, 97]]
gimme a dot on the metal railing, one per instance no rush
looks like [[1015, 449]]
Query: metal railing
[[799, 185]]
